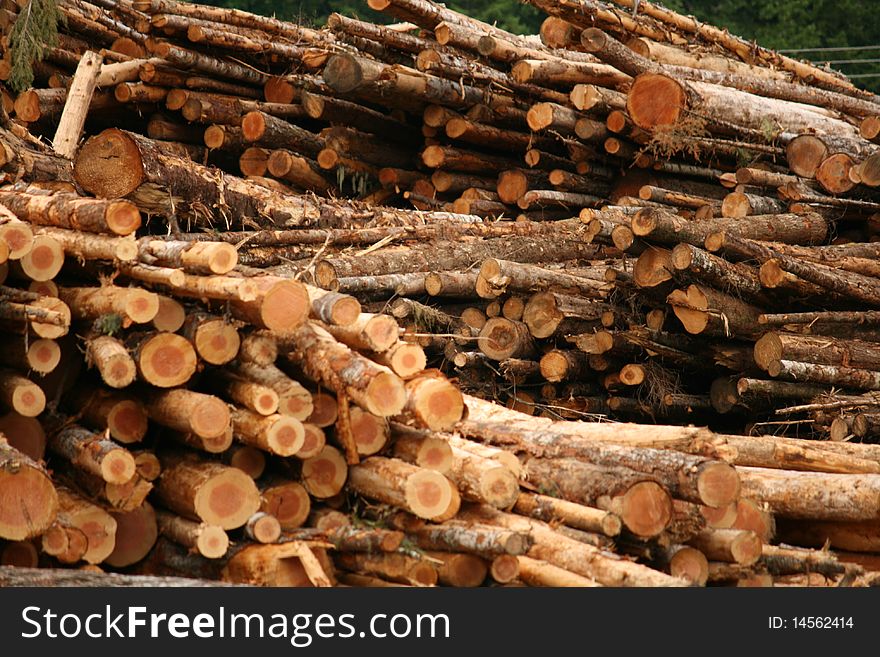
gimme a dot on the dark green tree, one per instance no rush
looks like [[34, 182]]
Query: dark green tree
[[35, 30]]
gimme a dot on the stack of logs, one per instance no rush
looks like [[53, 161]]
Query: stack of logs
[[257, 330]]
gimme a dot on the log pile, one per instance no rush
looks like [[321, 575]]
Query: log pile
[[437, 304]]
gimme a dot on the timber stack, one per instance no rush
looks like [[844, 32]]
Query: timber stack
[[431, 303]]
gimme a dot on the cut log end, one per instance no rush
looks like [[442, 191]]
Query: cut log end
[[170, 316], [212, 542], [324, 475], [216, 341], [499, 487], [118, 467], [44, 260], [263, 528], [289, 503], [690, 564], [313, 442], [285, 306], [136, 533], [209, 417], [324, 410], [109, 165], [428, 494], [646, 509], [655, 100], [385, 395], [28, 399], [249, 460], [286, 436], [407, 360], [436, 403], [167, 360], [123, 217], [227, 499], [370, 431], [43, 355], [718, 484], [29, 504], [504, 568]]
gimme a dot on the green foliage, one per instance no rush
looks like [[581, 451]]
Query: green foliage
[[35, 30], [800, 24], [110, 324]]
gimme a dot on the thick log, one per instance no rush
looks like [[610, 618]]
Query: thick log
[[189, 412], [644, 506], [288, 501], [211, 492], [31, 501], [707, 482], [373, 387], [70, 211], [424, 493], [811, 495], [668, 228], [324, 475], [136, 533], [164, 360], [704, 310], [99, 527]]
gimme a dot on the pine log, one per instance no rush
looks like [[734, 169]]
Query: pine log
[[210, 541], [371, 386], [288, 501], [809, 495], [214, 493], [732, 545], [702, 309], [570, 554], [777, 346], [94, 453], [136, 533], [40, 355], [708, 482], [132, 304], [164, 360], [79, 98], [644, 507], [25, 434], [324, 475], [189, 412], [69, 211], [425, 493], [31, 501], [293, 398], [110, 357], [663, 226], [99, 527], [393, 567]]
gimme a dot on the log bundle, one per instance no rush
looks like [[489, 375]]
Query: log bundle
[[437, 304]]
